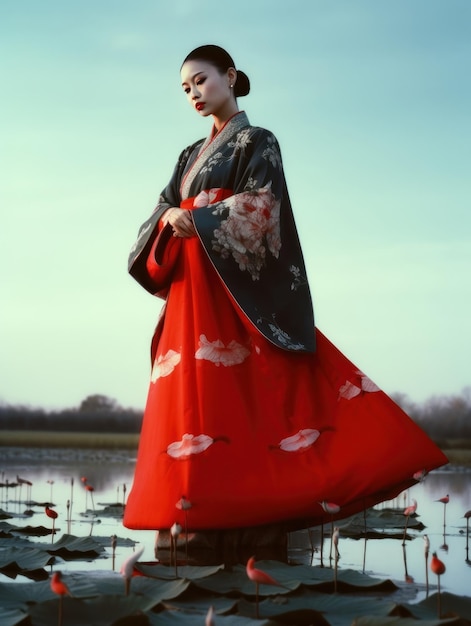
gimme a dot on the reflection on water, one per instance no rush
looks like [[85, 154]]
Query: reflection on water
[[56, 477]]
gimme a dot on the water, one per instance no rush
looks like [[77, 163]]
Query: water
[[110, 474]]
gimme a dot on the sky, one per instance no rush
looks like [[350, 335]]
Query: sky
[[370, 101]]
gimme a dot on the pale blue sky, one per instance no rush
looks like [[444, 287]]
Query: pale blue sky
[[371, 103]]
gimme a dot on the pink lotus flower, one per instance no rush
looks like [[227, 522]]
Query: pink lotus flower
[[189, 445], [219, 354], [363, 384], [165, 364], [205, 197], [302, 440]]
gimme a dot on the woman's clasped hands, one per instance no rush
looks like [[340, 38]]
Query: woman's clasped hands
[[181, 222]]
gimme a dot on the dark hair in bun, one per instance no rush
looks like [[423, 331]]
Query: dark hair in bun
[[222, 61]]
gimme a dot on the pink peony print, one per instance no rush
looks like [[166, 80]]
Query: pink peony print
[[165, 364], [219, 354], [252, 227]]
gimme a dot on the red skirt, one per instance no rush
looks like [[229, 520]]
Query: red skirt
[[249, 434]]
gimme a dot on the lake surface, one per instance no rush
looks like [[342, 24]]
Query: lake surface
[[110, 473]]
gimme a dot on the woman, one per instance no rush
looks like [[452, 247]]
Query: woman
[[253, 418]]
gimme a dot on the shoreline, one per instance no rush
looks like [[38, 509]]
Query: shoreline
[[53, 447], [64, 440]]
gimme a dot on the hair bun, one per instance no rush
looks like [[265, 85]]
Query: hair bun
[[242, 86]]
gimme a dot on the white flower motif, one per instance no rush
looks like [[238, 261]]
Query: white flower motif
[[302, 440], [241, 142], [364, 385], [216, 159], [189, 445], [299, 279], [367, 384], [283, 338], [219, 354], [165, 364], [272, 153], [281, 335], [349, 391]]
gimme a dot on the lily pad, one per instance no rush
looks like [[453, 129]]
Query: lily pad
[[11, 617], [180, 618], [291, 578], [399, 621], [236, 581], [100, 611], [19, 595], [32, 531], [450, 605], [111, 510], [380, 524], [70, 547], [318, 608], [157, 570], [197, 603], [111, 583], [19, 542], [27, 561], [289, 613], [121, 542], [87, 585]]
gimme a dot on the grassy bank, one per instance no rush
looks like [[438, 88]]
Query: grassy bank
[[53, 439], [458, 456], [458, 451]]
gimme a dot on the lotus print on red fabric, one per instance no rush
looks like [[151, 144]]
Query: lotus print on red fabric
[[165, 364], [207, 196], [302, 440], [190, 445], [219, 354], [362, 384]]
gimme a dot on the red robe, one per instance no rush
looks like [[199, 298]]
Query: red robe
[[252, 416]]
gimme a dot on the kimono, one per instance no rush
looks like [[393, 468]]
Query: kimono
[[253, 416]]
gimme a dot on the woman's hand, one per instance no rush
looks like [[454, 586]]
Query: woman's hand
[[180, 220]]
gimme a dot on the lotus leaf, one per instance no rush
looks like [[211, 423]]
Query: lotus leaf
[[25, 558], [71, 547], [157, 570], [32, 531], [399, 621], [450, 603], [197, 602], [334, 608], [11, 617], [180, 618], [101, 611]]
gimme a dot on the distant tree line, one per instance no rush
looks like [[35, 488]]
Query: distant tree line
[[96, 414], [442, 417]]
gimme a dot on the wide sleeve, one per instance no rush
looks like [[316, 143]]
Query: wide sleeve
[[149, 231], [252, 241]]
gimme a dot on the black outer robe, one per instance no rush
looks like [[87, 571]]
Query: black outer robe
[[269, 284]]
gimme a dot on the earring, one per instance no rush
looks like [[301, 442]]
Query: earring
[[231, 86]]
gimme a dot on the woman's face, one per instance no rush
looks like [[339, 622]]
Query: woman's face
[[207, 90]]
